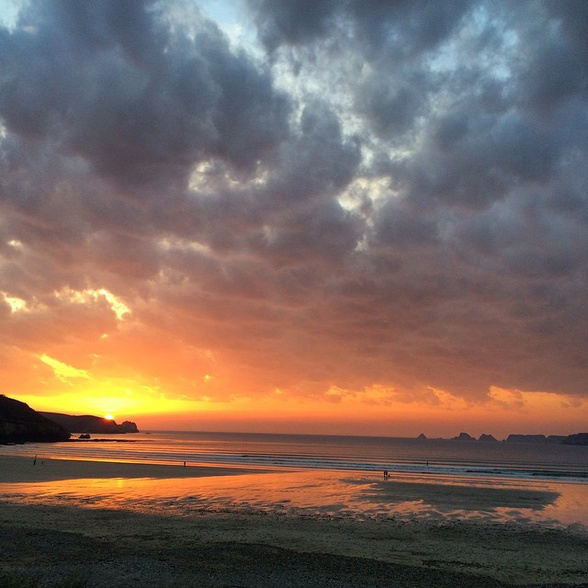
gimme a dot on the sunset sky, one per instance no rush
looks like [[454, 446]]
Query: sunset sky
[[321, 216]]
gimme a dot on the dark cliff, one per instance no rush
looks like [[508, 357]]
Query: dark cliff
[[526, 439], [90, 424], [577, 439], [19, 423]]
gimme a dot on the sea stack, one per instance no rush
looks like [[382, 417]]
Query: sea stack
[[515, 438], [463, 437], [488, 438]]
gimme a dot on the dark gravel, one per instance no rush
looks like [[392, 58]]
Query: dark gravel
[[37, 558]]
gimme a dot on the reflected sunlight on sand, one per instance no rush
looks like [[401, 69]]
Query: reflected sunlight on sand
[[324, 494]]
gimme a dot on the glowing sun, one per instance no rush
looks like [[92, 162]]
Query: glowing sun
[[109, 417]]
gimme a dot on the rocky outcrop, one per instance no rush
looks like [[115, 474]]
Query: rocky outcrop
[[577, 439], [128, 427], [19, 424], [526, 439], [422, 437], [463, 437], [91, 424]]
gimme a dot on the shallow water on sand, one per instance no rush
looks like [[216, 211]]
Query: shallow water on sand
[[358, 495]]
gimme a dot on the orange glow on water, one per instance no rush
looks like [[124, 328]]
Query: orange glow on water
[[322, 493]]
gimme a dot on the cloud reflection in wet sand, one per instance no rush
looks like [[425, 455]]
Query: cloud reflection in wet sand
[[323, 494]]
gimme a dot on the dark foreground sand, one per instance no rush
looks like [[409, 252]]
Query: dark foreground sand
[[44, 544]]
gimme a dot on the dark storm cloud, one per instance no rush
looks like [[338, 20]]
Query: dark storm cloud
[[109, 82], [292, 22], [317, 162], [390, 106], [471, 226], [562, 59], [471, 159], [406, 26], [389, 193]]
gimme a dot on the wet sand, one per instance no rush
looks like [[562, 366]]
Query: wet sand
[[21, 469], [143, 525]]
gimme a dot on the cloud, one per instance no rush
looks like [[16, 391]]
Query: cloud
[[405, 26], [370, 196], [114, 85], [63, 371]]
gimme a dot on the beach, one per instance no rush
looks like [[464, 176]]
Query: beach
[[112, 524]]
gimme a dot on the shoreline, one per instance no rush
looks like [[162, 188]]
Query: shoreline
[[19, 469], [211, 526], [508, 461]]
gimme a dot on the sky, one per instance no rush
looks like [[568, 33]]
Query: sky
[[314, 216]]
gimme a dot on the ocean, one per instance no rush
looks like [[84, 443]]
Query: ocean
[[441, 457], [308, 475]]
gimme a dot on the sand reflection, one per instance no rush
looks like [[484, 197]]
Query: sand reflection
[[323, 494]]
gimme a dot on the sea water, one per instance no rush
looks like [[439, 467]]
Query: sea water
[[317, 475], [539, 461]]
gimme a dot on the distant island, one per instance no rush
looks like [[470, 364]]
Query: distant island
[[19, 423], [576, 439], [90, 424]]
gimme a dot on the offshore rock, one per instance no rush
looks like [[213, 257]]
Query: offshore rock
[[526, 439], [488, 438], [129, 427], [463, 437]]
